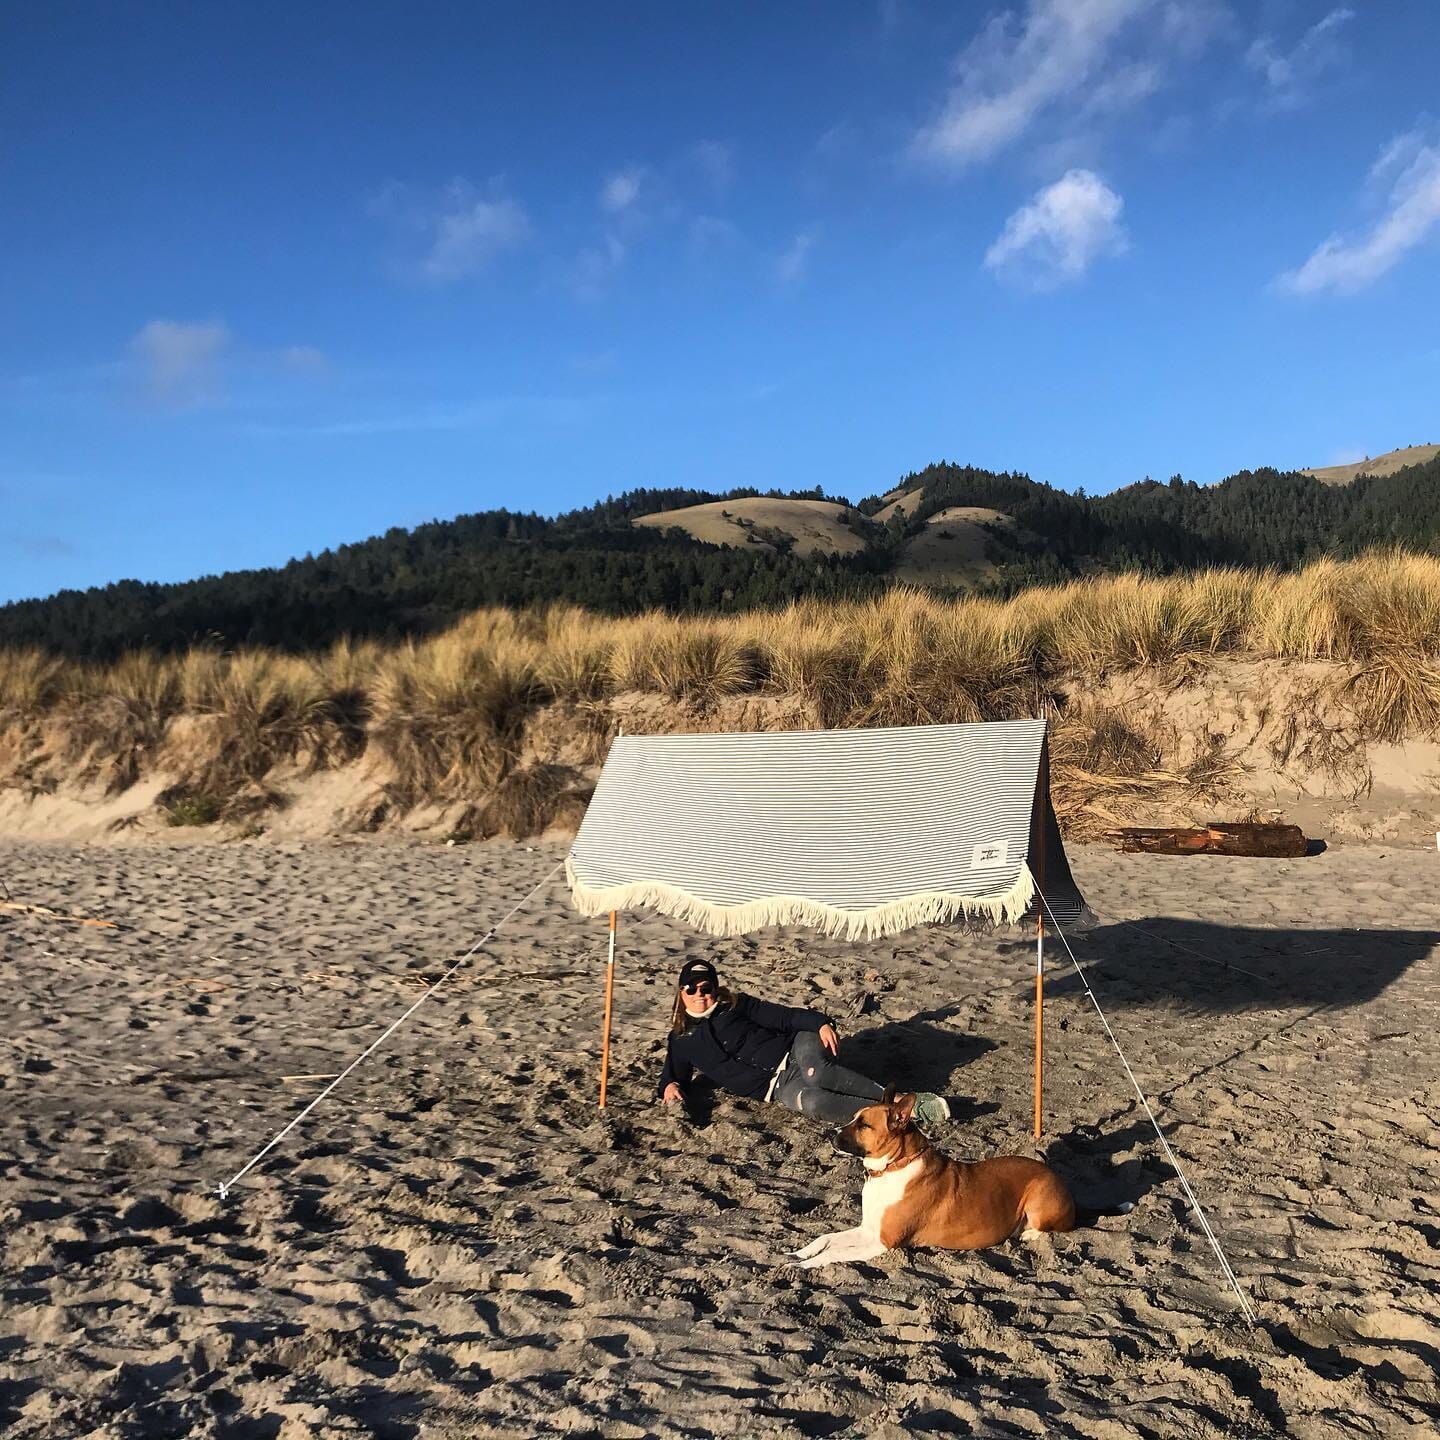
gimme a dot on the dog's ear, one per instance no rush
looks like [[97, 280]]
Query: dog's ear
[[901, 1107], [888, 1098]]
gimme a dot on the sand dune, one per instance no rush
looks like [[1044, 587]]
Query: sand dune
[[458, 1244]]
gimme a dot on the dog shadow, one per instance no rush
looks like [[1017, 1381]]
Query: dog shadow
[[1089, 1160]]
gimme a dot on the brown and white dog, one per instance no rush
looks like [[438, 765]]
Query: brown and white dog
[[916, 1196]]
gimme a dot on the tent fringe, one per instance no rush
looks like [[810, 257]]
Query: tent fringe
[[926, 908]]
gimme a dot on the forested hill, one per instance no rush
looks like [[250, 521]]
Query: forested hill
[[1253, 518], [409, 581]]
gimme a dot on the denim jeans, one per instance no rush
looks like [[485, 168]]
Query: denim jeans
[[814, 1083]]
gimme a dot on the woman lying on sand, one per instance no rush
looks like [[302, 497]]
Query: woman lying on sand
[[766, 1052]]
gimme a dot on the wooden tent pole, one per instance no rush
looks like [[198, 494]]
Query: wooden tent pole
[[605, 1025], [1039, 834], [1039, 1017], [609, 1000]]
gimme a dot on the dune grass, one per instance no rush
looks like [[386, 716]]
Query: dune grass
[[449, 713]]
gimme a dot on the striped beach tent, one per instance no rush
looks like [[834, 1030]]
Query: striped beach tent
[[857, 833]]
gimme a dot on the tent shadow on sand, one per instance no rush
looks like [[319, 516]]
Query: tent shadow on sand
[[1185, 961], [916, 1054], [921, 1054], [1182, 963]]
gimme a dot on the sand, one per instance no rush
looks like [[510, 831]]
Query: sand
[[456, 1243]]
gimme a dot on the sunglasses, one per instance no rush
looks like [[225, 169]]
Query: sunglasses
[[699, 987]]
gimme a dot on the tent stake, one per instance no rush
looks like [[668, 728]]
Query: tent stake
[[1039, 1017], [605, 1028]]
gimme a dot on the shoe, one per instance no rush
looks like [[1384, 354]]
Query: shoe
[[930, 1109]]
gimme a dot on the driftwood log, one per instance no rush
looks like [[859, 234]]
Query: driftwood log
[[1242, 838]]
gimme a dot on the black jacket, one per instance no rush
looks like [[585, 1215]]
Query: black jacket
[[737, 1046]]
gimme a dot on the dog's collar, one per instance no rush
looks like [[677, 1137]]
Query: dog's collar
[[897, 1164]]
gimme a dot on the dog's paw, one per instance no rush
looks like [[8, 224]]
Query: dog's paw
[[813, 1263], [813, 1248]]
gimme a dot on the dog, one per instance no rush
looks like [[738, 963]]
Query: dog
[[916, 1196]]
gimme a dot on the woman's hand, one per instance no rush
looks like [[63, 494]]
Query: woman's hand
[[672, 1093], [829, 1039]]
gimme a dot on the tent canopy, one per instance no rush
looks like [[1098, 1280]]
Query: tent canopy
[[859, 833]]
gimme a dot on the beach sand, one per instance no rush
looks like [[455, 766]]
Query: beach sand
[[457, 1244]]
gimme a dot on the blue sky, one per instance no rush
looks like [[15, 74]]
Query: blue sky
[[276, 277]]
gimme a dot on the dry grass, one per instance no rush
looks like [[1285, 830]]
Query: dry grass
[[1105, 762], [1318, 736], [1307, 616], [527, 802], [1396, 617], [263, 709], [31, 681], [576, 654], [697, 660], [448, 713], [1121, 622], [811, 651]]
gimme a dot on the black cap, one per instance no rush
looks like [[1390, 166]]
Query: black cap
[[693, 970]]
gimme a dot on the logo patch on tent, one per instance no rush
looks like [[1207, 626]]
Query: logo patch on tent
[[991, 856]]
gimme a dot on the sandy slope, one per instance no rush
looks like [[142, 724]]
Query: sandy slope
[[1292, 746], [898, 502], [950, 550], [458, 1244], [1386, 464], [815, 524]]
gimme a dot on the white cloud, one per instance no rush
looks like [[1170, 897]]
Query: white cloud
[[596, 362], [469, 233], [1395, 158], [1122, 89], [627, 220], [1073, 63], [304, 359], [596, 266], [622, 189], [461, 232], [642, 205], [1349, 455], [715, 162], [713, 233], [179, 363], [473, 414], [1064, 229], [1290, 76], [1007, 76], [1412, 212], [41, 547], [791, 266]]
